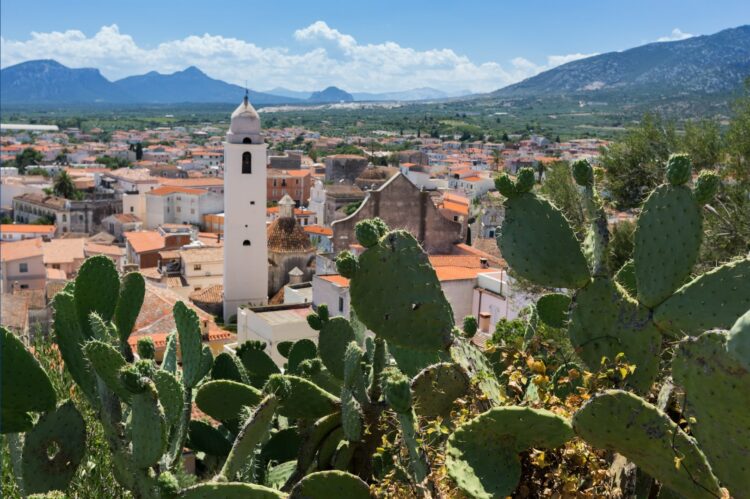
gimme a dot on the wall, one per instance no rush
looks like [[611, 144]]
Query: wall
[[253, 326], [344, 167], [278, 273], [329, 293], [402, 206], [35, 278]]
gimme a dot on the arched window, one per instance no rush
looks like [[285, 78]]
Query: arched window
[[246, 242], [247, 162], [247, 140]]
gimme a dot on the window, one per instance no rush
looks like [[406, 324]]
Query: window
[[23, 267], [179, 209], [131, 210], [192, 211], [197, 266], [56, 266], [246, 242], [24, 286], [65, 217], [341, 303], [247, 160]]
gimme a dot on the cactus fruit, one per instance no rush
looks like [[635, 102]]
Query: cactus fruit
[[107, 362], [171, 395], [147, 428], [667, 240], [604, 323], [470, 326], [738, 341], [301, 350], [25, 385], [227, 366], [203, 437], [235, 490], [224, 399], [70, 339], [97, 289], [620, 421], [368, 233], [299, 398], [335, 335], [482, 454], [539, 244], [625, 277], [396, 390], [679, 169], [146, 348], [397, 295], [62, 430], [347, 264], [436, 387], [330, 484], [254, 430], [129, 303], [717, 398], [258, 365], [583, 174], [715, 299], [706, 186], [553, 309]]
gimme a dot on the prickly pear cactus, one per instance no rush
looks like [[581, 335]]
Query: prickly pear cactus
[[224, 399], [301, 350], [717, 398], [129, 302], [189, 334], [738, 341], [63, 430], [397, 295], [228, 366], [329, 484], [539, 245], [70, 339], [146, 348], [667, 236], [25, 386], [627, 424], [299, 398], [604, 322], [436, 387], [205, 438], [553, 309], [712, 300], [482, 455], [107, 362], [258, 365], [335, 334], [148, 427], [231, 490], [97, 289]]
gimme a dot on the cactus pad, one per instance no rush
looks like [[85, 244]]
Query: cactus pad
[[299, 398], [227, 366], [171, 395], [470, 326], [328, 484], [224, 399], [146, 348], [129, 303], [625, 277], [253, 432], [411, 360], [70, 339], [351, 415], [482, 454], [25, 385], [539, 244], [583, 174], [258, 365], [436, 387], [717, 397], [622, 422], [478, 367], [147, 428], [738, 341], [107, 362], [678, 169], [203, 437], [169, 361], [706, 185], [347, 264], [189, 333], [715, 299], [335, 335], [53, 449], [368, 233], [237, 490], [301, 350], [504, 184], [397, 295], [604, 322], [97, 289], [396, 390], [281, 447], [667, 240], [553, 309]]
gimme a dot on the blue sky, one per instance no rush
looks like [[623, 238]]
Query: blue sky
[[359, 46]]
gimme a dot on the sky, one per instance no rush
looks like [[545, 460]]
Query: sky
[[360, 46]]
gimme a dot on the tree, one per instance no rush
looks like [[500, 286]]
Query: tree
[[61, 158], [634, 166], [738, 138], [505, 137], [64, 186], [113, 163], [497, 158], [138, 151], [702, 141], [28, 156], [620, 244]]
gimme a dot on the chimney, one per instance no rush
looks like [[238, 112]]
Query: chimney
[[483, 263], [484, 322], [295, 276]]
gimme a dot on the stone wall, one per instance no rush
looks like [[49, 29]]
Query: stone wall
[[279, 265], [403, 206], [346, 167]]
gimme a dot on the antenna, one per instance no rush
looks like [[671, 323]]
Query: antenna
[[246, 93]]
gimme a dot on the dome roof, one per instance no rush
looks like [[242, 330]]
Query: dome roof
[[245, 123], [286, 235]]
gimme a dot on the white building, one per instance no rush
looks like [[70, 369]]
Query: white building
[[245, 244], [180, 205]]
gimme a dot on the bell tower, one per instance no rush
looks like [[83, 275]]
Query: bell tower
[[245, 245]]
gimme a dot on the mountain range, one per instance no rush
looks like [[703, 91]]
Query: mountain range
[[709, 64]]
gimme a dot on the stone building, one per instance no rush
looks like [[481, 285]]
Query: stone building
[[289, 246], [373, 178], [403, 206], [338, 196], [78, 216], [344, 167]]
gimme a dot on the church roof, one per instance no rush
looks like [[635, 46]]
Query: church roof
[[245, 119], [286, 235]]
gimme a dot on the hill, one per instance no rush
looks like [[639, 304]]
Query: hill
[[710, 64], [331, 94]]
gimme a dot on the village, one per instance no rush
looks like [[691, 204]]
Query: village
[[154, 201]]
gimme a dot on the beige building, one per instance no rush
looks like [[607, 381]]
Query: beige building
[[22, 262], [202, 267], [66, 255]]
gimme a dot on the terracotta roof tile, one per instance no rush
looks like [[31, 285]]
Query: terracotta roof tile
[[27, 228], [18, 250], [145, 240], [63, 251], [285, 234], [170, 189]]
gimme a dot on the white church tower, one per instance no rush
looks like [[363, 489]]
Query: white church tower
[[245, 245]]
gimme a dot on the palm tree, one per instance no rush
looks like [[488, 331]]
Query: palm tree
[[64, 186], [497, 157]]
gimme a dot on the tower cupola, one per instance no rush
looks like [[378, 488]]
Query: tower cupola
[[245, 125]]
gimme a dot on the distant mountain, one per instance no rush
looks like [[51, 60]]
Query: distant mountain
[[710, 64], [285, 92], [189, 85], [414, 94], [330, 94], [47, 81]]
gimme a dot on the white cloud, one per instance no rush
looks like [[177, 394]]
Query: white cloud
[[677, 34], [328, 57]]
